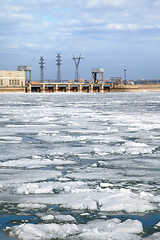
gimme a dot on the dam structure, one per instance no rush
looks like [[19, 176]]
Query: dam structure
[[20, 81], [67, 87], [89, 87]]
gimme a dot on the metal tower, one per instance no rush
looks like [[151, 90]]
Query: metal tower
[[58, 60], [41, 67], [77, 61], [125, 79]]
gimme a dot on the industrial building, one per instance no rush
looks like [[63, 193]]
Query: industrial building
[[12, 81]]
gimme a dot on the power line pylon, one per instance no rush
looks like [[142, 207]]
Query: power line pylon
[[58, 60], [41, 67], [125, 76], [77, 61]]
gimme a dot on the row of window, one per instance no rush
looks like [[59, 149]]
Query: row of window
[[11, 82]]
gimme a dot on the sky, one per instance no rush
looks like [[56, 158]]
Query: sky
[[112, 34]]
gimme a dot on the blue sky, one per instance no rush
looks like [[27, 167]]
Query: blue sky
[[113, 34]]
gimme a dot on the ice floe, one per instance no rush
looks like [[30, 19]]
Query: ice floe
[[104, 200], [35, 162], [155, 236], [97, 229], [31, 206], [58, 218], [10, 139], [87, 155], [50, 187]]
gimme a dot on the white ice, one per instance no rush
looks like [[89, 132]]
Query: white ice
[[104, 200], [98, 229], [82, 152], [58, 218], [155, 236]]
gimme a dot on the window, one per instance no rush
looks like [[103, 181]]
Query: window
[[1, 82], [10, 82]]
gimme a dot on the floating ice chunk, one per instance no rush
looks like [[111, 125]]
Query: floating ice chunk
[[43, 231], [128, 226], [105, 185], [135, 144], [137, 148], [109, 129], [34, 162], [14, 177], [106, 200], [4, 119], [10, 139], [58, 218], [124, 200], [64, 179], [47, 217], [155, 236], [46, 133], [145, 195], [35, 188], [132, 129], [111, 229], [63, 162], [64, 218], [97, 229], [84, 214], [78, 204], [31, 206], [28, 163], [49, 187], [46, 119], [157, 225]]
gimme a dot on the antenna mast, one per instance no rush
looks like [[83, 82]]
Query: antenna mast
[[77, 61], [41, 67], [58, 60]]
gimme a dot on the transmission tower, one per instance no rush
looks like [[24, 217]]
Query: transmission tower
[[58, 60], [41, 67], [125, 78], [77, 61]]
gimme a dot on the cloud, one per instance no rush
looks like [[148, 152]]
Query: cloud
[[20, 16], [14, 46], [122, 26], [94, 27], [104, 3], [35, 45]]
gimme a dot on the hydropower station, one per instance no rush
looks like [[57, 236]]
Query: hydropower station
[[20, 81]]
